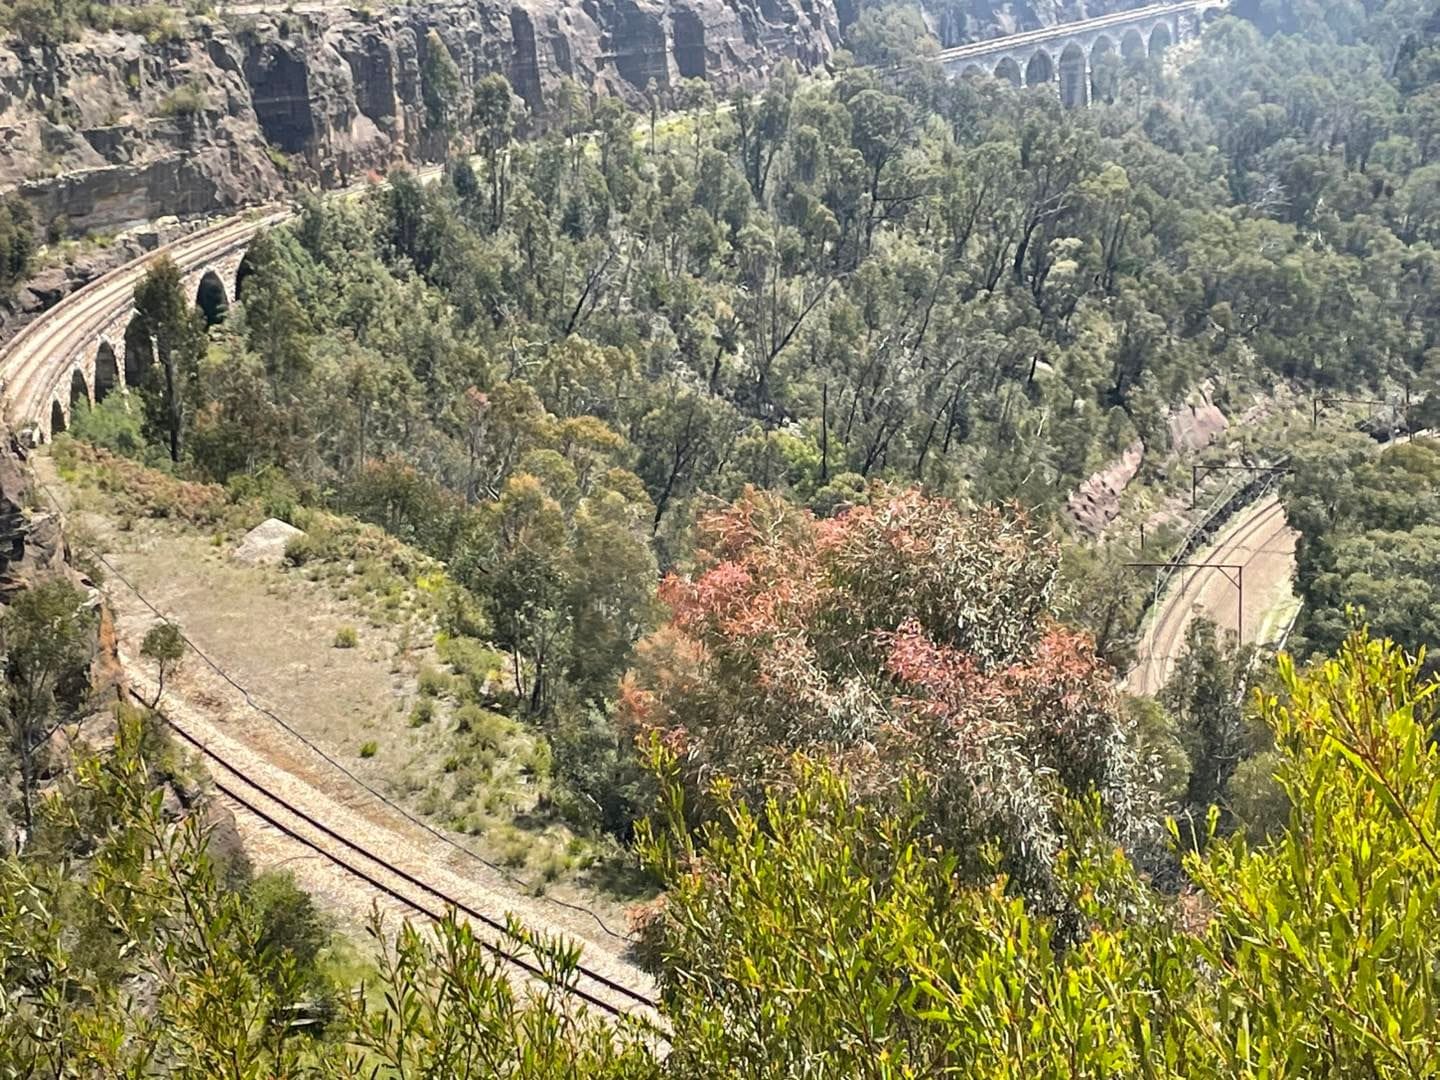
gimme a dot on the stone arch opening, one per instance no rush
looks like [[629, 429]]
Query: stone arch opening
[[79, 389], [689, 32], [1160, 40], [107, 371], [243, 273], [1104, 65], [210, 298], [973, 71], [1040, 69], [1007, 70], [57, 418], [139, 352], [1074, 77], [1132, 45]]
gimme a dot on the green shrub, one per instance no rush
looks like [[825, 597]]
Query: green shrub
[[17, 242], [186, 101], [536, 761], [554, 866], [157, 22], [274, 492], [472, 660], [346, 638], [422, 713], [112, 424], [460, 614], [514, 848], [301, 550], [369, 749], [485, 728], [290, 924], [434, 683]]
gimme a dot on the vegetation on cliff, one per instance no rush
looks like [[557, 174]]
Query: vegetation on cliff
[[810, 931]]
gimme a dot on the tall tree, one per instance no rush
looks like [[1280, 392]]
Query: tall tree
[[44, 646], [1206, 698], [177, 333]]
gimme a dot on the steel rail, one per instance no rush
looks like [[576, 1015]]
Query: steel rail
[[1060, 31], [606, 983]]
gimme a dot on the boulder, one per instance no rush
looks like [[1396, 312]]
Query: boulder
[[265, 544]]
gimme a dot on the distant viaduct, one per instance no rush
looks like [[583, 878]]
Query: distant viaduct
[[1069, 52], [89, 345]]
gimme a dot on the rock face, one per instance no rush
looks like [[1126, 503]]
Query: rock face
[[1197, 423], [1096, 502], [113, 129], [32, 548]]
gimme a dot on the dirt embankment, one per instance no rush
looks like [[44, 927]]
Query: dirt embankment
[[325, 728]]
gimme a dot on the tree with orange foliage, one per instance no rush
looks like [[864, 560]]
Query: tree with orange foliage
[[908, 641]]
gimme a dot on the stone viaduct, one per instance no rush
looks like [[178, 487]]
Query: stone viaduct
[[1070, 52], [124, 352], [91, 344]]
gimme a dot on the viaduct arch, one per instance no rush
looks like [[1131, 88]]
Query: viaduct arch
[[1069, 55], [116, 353]]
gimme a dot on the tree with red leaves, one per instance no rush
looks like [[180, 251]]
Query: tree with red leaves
[[908, 641]]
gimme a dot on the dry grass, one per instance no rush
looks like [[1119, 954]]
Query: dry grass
[[416, 712]]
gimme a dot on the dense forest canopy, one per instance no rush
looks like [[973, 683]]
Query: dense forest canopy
[[896, 277], [1370, 530], [743, 432]]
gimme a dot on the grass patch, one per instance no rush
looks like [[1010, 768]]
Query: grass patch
[[433, 683], [346, 638], [422, 713], [369, 749]]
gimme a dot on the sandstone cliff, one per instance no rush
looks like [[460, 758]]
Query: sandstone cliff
[[114, 129]]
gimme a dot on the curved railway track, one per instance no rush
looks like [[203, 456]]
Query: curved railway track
[[1262, 537], [31, 367], [41, 354], [594, 988]]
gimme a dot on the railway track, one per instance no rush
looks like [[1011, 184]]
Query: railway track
[[973, 49], [41, 353], [597, 990], [1205, 592], [30, 366]]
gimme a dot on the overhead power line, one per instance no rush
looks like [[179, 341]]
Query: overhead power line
[[320, 751]]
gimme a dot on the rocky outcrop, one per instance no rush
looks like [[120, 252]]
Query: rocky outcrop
[[1197, 423], [114, 130], [1096, 502], [32, 548], [265, 544]]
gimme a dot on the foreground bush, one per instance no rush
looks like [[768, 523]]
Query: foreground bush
[[816, 935]]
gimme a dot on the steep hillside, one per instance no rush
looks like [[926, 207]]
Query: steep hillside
[[118, 128]]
